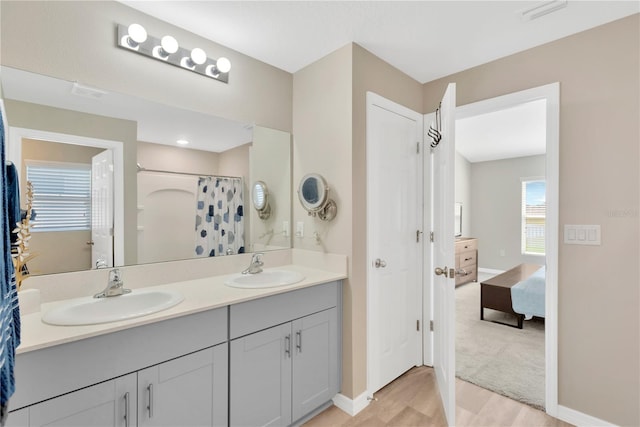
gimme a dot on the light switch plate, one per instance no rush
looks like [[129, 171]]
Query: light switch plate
[[581, 234]]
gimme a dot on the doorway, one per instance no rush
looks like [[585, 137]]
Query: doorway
[[500, 182], [551, 94], [16, 137]]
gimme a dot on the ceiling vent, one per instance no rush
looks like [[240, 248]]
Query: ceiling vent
[[541, 9], [87, 92]]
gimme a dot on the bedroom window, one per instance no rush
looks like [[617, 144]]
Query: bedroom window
[[61, 196], [534, 210]]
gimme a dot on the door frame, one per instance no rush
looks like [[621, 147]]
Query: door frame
[[373, 99], [17, 134], [551, 93]]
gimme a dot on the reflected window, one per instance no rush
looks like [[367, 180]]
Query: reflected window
[[61, 196]]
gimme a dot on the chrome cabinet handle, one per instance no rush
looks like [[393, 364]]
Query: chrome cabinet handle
[[287, 346], [299, 341], [150, 401], [126, 409]]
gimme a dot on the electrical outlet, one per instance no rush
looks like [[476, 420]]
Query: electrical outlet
[[300, 229], [285, 229]]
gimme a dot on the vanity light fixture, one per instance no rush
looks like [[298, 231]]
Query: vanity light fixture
[[135, 38], [182, 142]]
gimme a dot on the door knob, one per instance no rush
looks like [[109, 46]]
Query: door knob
[[440, 271], [378, 263]]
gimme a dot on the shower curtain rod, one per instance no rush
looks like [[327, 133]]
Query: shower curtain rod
[[202, 175]]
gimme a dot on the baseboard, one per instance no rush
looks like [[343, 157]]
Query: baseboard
[[490, 270], [580, 419], [351, 406]]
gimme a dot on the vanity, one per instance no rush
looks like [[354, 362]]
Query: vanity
[[225, 356]]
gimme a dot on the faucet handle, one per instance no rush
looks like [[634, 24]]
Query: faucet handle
[[114, 275]]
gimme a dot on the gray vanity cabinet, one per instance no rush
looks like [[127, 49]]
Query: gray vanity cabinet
[[188, 391], [109, 403], [260, 378], [281, 374]]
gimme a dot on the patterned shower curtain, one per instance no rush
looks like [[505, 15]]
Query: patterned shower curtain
[[219, 217]]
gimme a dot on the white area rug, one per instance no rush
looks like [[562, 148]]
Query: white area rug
[[506, 360]]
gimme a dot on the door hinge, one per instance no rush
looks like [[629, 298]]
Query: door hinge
[[418, 233], [431, 237], [417, 325], [431, 325]]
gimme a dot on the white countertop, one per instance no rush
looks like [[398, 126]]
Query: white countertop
[[199, 295]]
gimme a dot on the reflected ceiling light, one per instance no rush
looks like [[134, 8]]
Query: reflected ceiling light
[[182, 142], [136, 34], [168, 46], [135, 38]]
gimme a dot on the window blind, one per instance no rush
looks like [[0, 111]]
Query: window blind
[[534, 210], [61, 196]]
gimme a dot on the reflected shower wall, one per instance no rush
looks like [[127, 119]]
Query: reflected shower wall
[[166, 216]]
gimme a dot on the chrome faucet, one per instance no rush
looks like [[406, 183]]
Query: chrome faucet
[[256, 264], [115, 286]]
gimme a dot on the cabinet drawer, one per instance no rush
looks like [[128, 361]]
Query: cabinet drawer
[[469, 274], [251, 316]]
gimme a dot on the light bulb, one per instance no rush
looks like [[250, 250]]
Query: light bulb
[[223, 65], [198, 56], [169, 45], [137, 35], [182, 142]]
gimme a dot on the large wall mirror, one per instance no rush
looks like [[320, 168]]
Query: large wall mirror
[[189, 201]]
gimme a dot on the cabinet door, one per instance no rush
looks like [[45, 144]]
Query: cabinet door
[[111, 403], [315, 361], [260, 378], [187, 391]]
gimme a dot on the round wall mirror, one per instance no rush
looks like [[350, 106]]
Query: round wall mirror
[[260, 197], [313, 193]]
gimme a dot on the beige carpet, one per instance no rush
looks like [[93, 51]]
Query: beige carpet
[[506, 360]]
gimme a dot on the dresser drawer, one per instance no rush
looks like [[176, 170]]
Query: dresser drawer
[[468, 258], [468, 274], [466, 245]]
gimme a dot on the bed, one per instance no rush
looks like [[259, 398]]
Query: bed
[[518, 291]]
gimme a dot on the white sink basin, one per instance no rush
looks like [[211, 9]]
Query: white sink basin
[[266, 279], [89, 310]]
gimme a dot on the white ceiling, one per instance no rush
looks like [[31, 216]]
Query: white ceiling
[[424, 39], [513, 132]]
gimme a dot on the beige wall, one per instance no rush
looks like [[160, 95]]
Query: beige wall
[[322, 133], [75, 41], [40, 117], [496, 214], [329, 128], [599, 324]]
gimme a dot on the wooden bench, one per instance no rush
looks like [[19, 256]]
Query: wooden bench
[[495, 293]]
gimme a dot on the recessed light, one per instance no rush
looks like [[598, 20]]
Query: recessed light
[[182, 142]]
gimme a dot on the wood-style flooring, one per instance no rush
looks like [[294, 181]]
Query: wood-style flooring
[[413, 401]]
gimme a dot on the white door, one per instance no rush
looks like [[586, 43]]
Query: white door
[[443, 174], [394, 203], [102, 210]]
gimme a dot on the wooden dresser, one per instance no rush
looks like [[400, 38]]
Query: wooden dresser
[[466, 260]]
